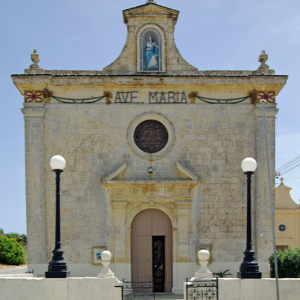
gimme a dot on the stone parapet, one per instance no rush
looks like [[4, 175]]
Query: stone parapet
[[34, 288]]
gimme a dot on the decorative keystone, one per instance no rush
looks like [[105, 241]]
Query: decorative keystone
[[105, 260], [35, 59]]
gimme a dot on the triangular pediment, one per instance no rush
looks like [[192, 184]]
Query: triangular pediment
[[150, 9], [189, 175], [179, 169], [116, 173]]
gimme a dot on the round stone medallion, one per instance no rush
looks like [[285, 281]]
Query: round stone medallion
[[151, 136]]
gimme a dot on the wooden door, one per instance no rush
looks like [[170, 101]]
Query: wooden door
[[151, 229]]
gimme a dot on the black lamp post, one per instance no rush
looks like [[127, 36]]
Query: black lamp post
[[249, 267], [57, 267]]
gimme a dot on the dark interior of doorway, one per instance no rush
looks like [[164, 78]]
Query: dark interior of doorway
[[158, 252]]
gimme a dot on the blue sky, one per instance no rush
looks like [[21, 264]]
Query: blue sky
[[90, 34]]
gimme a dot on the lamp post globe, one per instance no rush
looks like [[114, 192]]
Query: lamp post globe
[[249, 267], [249, 164], [57, 267], [57, 162]]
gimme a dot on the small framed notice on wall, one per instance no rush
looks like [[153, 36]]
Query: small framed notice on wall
[[204, 247], [96, 254]]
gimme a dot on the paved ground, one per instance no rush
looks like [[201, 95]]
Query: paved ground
[[165, 296], [8, 269]]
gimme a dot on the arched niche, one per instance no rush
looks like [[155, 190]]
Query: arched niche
[[151, 49]]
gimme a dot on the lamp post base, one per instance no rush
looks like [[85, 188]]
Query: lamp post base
[[248, 275], [57, 274], [57, 270], [249, 271], [57, 267]]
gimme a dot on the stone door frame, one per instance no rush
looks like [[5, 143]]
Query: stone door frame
[[129, 197]]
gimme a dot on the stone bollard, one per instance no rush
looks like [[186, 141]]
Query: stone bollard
[[203, 272], [105, 260]]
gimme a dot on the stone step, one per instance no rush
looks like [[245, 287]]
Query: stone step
[[163, 296]]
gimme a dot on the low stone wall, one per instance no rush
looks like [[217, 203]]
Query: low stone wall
[[73, 288], [92, 288], [258, 289]]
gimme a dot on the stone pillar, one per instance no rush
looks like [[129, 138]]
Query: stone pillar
[[262, 232], [105, 260], [183, 215], [35, 189], [203, 272], [183, 242], [119, 233]]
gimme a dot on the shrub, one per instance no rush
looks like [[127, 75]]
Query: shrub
[[223, 274], [288, 263], [10, 252], [20, 238]]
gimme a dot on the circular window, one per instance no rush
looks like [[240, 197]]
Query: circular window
[[281, 227], [151, 136]]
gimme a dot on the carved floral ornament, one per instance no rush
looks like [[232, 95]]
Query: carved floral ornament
[[45, 96], [254, 96], [33, 97], [266, 97]]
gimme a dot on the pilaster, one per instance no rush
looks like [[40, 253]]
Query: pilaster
[[35, 189], [263, 230], [119, 232]]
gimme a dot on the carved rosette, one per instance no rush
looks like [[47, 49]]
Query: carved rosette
[[266, 97], [34, 97]]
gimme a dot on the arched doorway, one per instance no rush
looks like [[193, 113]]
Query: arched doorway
[[151, 249]]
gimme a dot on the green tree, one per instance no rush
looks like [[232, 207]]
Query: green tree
[[10, 251], [288, 263], [20, 238]]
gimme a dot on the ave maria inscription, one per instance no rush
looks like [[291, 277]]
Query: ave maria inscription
[[153, 97]]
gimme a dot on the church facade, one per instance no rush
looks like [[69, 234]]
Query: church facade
[[153, 149], [287, 219]]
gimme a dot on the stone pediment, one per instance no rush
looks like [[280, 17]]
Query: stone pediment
[[186, 176], [283, 200], [150, 47], [139, 191], [150, 9]]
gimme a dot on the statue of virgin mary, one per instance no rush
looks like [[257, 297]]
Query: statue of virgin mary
[[151, 54]]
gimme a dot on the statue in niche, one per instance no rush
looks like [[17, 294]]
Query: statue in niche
[[151, 54]]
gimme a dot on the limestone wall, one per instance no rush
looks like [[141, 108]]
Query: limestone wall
[[206, 196], [60, 289], [197, 179], [94, 142], [258, 289], [98, 289]]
